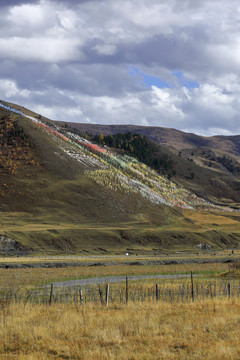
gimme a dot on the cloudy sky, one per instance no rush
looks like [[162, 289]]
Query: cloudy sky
[[171, 63]]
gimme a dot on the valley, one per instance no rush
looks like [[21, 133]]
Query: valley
[[68, 192]]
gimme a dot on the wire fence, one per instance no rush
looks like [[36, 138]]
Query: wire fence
[[174, 292]]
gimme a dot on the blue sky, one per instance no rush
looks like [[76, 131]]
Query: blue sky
[[184, 81], [147, 80], [147, 62], [150, 80]]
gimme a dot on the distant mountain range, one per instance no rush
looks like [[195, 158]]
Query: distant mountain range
[[171, 138]]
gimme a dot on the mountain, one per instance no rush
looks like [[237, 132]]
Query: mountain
[[63, 193]]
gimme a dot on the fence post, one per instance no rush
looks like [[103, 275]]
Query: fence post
[[107, 294], [100, 294], [81, 297], [51, 294], [157, 292], [126, 289], [229, 290], [192, 289]]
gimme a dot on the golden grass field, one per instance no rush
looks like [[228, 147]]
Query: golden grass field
[[174, 328], [201, 330]]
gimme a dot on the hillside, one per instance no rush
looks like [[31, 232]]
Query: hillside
[[209, 167], [67, 194], [171, 138], [213, 175]]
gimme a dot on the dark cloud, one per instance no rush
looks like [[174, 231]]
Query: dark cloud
[[9, 3], [165, 50], [72, 2], [82, 78]]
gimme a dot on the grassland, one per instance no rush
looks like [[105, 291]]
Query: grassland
[[201, 330], [34, 276], [173, 327], [53, 233]]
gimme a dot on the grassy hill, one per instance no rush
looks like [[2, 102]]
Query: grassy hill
[[192, 147], [53, 198], [213, 175]]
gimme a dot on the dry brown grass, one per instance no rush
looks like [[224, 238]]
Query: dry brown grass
[[201, 330], [204, 218]]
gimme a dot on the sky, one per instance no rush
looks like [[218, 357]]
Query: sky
[[169, 63]]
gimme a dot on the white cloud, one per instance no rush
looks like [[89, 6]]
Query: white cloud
[[8, 89], [105, 49], [167, 103], [40, 49], [154, 106], [68, 19], [27, 15], [212, 96]]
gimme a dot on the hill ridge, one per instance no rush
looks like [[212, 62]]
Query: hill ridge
[[177, 139]]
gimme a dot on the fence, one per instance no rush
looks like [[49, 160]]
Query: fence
[[178, 291]]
